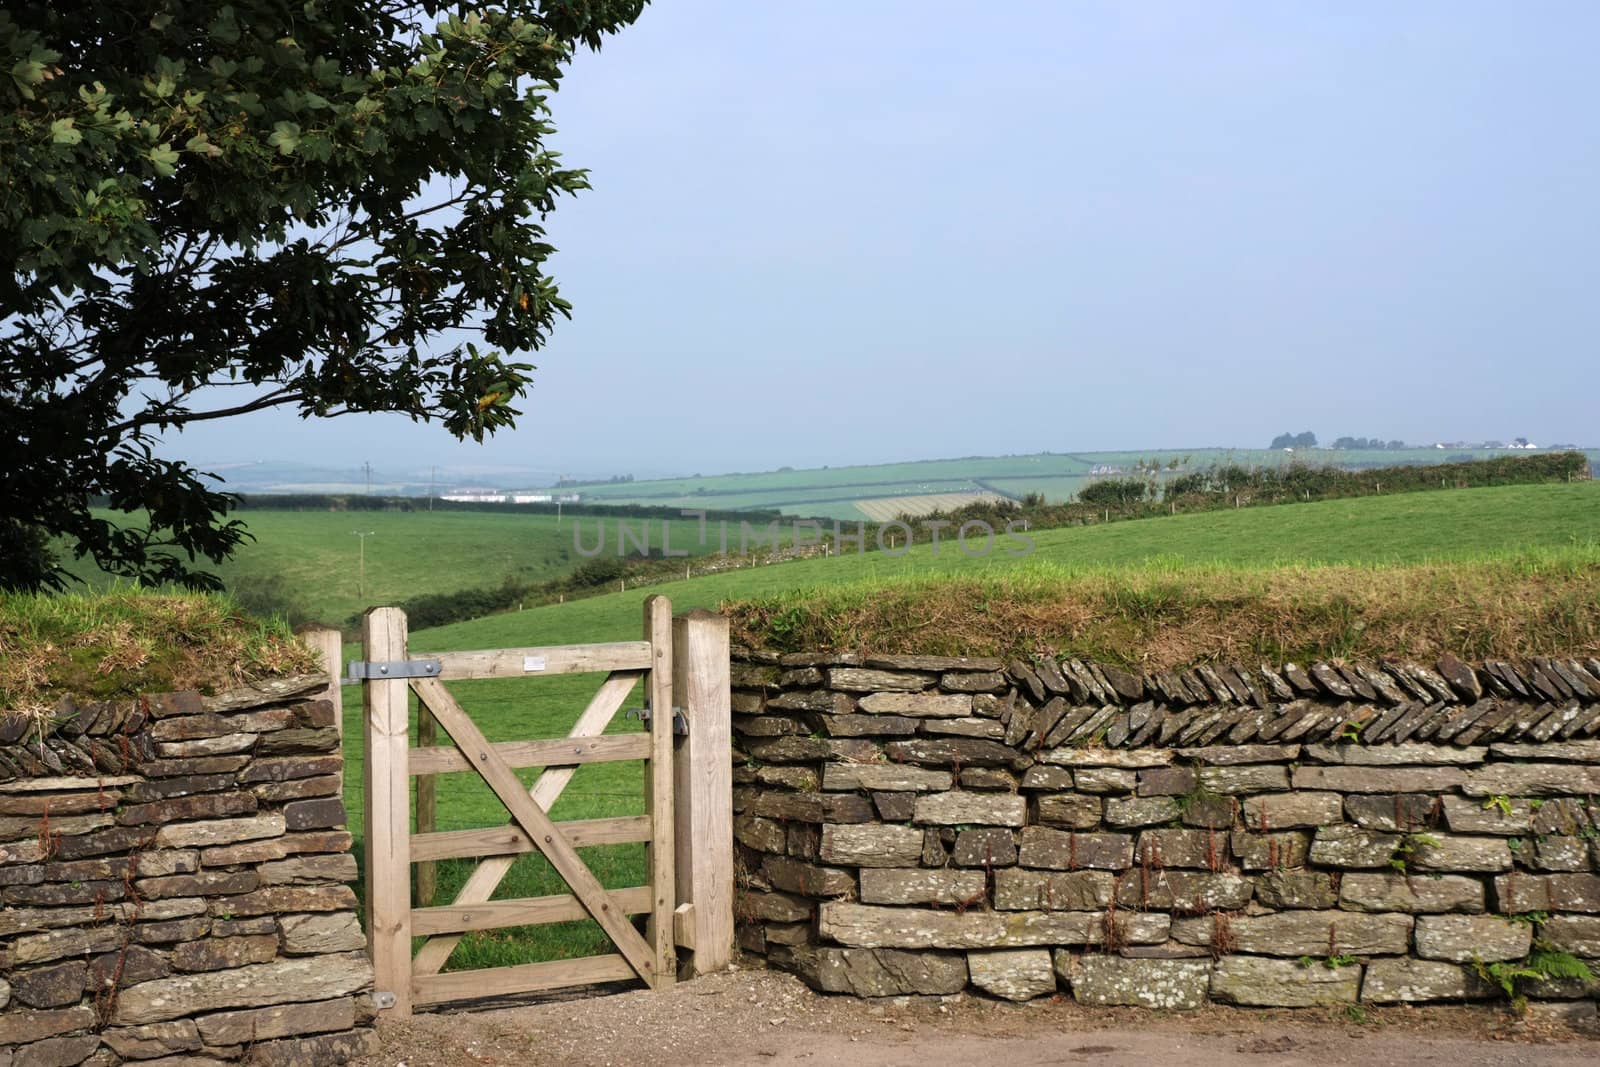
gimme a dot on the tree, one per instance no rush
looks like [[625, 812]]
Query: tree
[[1294, 440], [330, 206]]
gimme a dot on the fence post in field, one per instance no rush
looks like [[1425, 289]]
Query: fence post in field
[[330, 646], [703, 767], [386, 815]]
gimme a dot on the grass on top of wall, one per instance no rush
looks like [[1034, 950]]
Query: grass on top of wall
[[125, 640], [1163, 614]]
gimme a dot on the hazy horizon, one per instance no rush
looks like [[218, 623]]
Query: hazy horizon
[[844, 234]]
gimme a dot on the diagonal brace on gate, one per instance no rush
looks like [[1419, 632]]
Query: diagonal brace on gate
[[488, 874], [533, 820]]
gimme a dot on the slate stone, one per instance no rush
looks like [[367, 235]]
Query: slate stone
[[1415, 893], [1403, 980], [1517, 892], [1465, 938], [284, 1020], [1449, 852], [1532, 780], [153, 1040], [1134, 759], [1476, 816], [984, 847], [219, 831], [1347, 779], [960, 807], [1126, 812], [1017, 974], [1166, 781], [1066, 850], [1577, 934], [1105, 780], [916, 886], [50, 987], [286, 898], [321, 933], [869, 926], [1248, 778], [988, 778], [1412, 754], [1017, 889], [316, 1051], [320, 814], [1175, 985], [867, 845], [1297, 889], [1169, 847], [1391, 812], [882, 972], [1351, 846], [218, 953], [1304, 933], [1257, 982], [885, 776], [1288, 811], [1041, 777], [973, 682], [945, 752], [1185, 892], [867, 680]]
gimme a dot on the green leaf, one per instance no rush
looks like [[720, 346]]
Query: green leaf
[[164, 159], [285, 137], [62, 131]]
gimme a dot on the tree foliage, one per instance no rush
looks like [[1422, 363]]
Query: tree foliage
[[330, 206], [1305, 439]]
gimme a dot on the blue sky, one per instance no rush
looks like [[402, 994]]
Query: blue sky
[[841, 231]]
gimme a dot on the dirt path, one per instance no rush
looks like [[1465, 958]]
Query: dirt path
[[767, 1018]]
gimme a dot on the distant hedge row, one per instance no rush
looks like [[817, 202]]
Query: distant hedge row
[[361, 502], [1232, 485]]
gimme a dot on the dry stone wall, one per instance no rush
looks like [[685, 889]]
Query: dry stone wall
[[1331, 834], [175, 876]]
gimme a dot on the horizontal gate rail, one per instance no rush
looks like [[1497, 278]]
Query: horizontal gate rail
[[559, 752], [524, 978], [529, 911], [536, 662], [511, 841]]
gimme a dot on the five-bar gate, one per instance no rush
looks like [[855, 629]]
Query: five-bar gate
[[687, 825]]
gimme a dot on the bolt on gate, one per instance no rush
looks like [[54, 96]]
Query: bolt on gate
[[687, 827]]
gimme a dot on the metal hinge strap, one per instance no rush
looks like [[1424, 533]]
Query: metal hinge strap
[[362, 670]]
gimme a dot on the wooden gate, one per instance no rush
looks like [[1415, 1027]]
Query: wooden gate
[[681, 898]]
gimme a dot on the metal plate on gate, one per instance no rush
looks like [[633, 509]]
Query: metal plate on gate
[[362, 670], [532, 663]]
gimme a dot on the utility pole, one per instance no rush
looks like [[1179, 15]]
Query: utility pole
[[361, 581], [368, 468]]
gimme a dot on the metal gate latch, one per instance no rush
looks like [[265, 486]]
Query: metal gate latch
[[680, 722], [362, 670]]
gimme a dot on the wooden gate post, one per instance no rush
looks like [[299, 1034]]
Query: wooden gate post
[[387, 813], [703, 777], [330, 646]]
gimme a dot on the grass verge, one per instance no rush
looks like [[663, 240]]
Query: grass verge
[[125, 640]]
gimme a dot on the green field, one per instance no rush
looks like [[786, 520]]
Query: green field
[[1560, 522], [829, 492], [311, 559]]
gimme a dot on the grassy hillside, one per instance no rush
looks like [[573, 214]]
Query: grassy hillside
[[308, 561], [1532, 548]]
